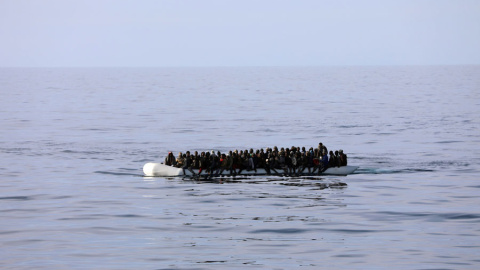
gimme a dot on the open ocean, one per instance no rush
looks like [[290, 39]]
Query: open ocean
[[73, 142]]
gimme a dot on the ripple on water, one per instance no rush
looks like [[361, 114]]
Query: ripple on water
[[431, 217], [17, 198], [280, 231]]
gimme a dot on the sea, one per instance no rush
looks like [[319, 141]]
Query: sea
[[73, 142]]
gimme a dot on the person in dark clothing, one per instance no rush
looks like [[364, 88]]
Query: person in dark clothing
[[223, 164], [235, 162], [196, 161], [296, 162], [240, 162], [271, 162], [307, 162], [250, 163], [332, 161], [170, 159], [203, 164], [343, 158], [188, 163], [230, 163], [214, 163], [288, 163], [337, 157], [260, 159], [322, 162]]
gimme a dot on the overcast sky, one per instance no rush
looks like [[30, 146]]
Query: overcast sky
[[238, 32]]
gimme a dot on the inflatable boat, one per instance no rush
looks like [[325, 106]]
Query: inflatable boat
[[159, 169]]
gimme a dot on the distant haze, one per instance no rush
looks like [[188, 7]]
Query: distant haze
[[149, 33]]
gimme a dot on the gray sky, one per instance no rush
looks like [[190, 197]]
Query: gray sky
[[238, 33]]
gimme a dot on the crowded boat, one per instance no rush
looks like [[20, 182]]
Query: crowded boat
[[288, 161]]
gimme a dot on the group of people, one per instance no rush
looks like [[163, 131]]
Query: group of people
[[287, 161]]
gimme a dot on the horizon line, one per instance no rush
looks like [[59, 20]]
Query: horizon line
[[252, 66]]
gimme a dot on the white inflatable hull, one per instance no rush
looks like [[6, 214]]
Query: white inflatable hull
[[158, 169]]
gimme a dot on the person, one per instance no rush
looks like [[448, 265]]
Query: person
[[254, 161], [239, 162], [275, 150], [316, 160], [203, 163], [282, 162], [324, 162], [266, 164], [271, 163], [337, 157], [251, 162], [235, 162], [187, 163], [223, 162], [305, 162], [261, 157], [332, 161], [180, 160], [196, 161], [230, 163], [296, 161], [322, 148], [170, 159], [213, 163], [343, 158]]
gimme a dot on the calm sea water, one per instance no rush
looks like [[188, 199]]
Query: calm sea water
[[73, 143]]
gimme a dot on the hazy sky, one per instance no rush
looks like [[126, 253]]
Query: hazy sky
[[238, 33]]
